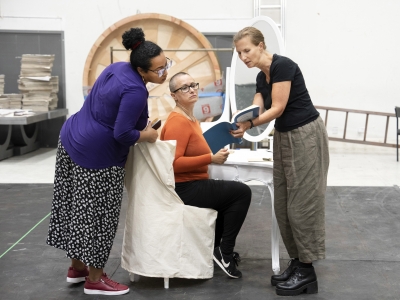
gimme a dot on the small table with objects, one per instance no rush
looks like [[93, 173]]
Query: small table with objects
[[18, 134]]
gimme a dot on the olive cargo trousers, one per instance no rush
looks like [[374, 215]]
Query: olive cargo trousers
[[301, 160]]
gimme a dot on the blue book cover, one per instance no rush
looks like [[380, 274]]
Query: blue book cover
[[219, 135]]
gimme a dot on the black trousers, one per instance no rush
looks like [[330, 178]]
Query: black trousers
[[230, 198]]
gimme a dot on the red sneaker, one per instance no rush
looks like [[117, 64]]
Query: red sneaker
[[75, 276], [105, 286]]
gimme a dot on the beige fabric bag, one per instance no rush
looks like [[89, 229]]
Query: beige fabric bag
[[162, 236]]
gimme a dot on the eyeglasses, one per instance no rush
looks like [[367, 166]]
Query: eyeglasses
[[186, 88], [161, 72]]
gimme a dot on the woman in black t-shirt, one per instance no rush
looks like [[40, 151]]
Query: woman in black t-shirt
[[301, 159]]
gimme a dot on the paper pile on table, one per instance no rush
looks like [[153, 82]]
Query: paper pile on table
[[15, 101], [36, 65], [4, 102], [1, 84], [11, 101], [35, 82]]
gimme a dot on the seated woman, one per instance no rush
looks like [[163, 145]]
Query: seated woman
[[193, 155]]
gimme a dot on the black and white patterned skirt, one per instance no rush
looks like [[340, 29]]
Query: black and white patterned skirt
[[85, 210]]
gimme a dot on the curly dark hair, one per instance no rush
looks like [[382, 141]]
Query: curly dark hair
[[142, 51]]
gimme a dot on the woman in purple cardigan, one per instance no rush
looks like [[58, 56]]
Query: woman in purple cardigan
[[92, 151]]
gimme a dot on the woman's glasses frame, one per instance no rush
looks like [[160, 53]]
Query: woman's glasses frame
[[186, 88], [161, 72]]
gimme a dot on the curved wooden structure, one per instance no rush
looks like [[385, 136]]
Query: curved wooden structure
[[169, 33]]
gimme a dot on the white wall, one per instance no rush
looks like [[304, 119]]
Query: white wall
[[347, 50], [349, 54], [84, 21]]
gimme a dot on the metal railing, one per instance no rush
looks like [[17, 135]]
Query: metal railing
[[367, 113]]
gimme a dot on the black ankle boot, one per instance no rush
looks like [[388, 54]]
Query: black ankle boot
[[292, 265], [301, 280]]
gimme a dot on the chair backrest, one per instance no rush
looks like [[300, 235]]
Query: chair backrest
[[157, 217], [397, 111]]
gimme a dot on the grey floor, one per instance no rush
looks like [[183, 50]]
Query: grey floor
[[362, 240]]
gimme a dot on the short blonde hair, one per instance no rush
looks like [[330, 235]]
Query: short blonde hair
[[255, 35], [172, 83]]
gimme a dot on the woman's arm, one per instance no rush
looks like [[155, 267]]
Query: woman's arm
[[280, 96], [258, 100], [131, 108], [177, 129], [149, 135]]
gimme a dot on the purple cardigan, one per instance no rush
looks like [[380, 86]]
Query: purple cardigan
[[100, 134]]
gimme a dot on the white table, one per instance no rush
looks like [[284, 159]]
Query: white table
[[237, 167]]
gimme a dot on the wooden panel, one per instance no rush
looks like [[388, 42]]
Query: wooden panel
[[169, 33]]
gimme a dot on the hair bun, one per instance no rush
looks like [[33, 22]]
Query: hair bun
[[132, 38]]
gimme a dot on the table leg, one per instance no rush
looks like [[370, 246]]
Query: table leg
[[244, 174], [24, 138], [274, 233], [6, 150]]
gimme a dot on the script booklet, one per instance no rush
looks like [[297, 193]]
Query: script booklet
[[219, 135]]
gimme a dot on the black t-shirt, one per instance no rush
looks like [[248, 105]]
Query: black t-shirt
[[299, 109]]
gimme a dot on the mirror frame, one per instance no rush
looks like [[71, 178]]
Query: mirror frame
[[235, 59]]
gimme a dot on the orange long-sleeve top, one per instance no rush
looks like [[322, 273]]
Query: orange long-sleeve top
[[192, 154]]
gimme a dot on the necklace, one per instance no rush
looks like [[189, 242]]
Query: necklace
[[186, 112]]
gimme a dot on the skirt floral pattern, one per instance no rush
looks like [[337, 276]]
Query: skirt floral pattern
[[85, 210]]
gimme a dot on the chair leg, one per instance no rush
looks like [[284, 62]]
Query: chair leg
[[166, 283], [132, 277]]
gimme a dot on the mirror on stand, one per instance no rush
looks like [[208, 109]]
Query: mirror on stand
[[243, 80]]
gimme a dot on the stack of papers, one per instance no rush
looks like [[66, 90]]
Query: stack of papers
[[10, 101], [36, 65], [35, 82], [1, 84]]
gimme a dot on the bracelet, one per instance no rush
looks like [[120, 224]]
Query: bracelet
[[251, 124]]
